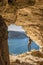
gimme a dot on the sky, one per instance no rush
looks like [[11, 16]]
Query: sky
[[13, 27]]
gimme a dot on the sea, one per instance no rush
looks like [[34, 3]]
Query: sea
[[18, 40], [19, 46]]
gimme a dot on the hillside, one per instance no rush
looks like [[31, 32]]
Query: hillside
[[16, 35]]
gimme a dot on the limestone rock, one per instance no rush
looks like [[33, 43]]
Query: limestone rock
[[29, 17], [30, 58]]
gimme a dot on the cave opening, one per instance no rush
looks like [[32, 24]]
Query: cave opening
[[18, 41]]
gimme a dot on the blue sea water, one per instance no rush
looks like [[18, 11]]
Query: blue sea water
[[18, 40], [18, 46]]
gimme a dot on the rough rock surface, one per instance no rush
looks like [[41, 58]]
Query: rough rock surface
[[4, 54], [30, 58], [29, 15], [32, 21]]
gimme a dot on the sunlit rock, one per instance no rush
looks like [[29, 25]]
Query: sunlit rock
[[30, 17], [30, 58]]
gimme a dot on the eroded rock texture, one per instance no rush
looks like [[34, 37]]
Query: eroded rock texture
[[30, 58], [28, 14], [4, 54]]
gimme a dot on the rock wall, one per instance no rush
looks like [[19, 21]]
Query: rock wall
[[3, 2], [30, 17], [13, 1], [18, 2], [4, 54]]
